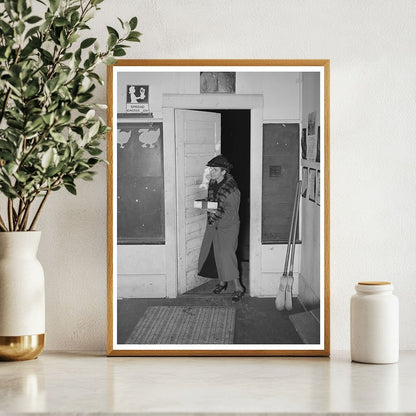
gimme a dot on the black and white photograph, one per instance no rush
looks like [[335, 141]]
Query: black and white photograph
[[212, 250]]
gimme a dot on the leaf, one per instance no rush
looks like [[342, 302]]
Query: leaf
[[94, 151], [74, 18], [119, 51], [133, 38], [33, 19], [70, 188], [133, 23], [87, 42], [110, 61], [20, 28], [111, 30], [73, 38], [88, 16], [62, 39], [21, 5], [121, 22], [7, 30], [35, 125], [86, 176], [58, 137], [94, 129], [61, 21], [112, 41], [11, 168], [90, 114], [50, 172], [54, 4], [47, 158], [8, 191], [21, 176], [48, 118]]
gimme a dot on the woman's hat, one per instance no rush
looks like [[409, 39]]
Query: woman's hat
[[220, 161]]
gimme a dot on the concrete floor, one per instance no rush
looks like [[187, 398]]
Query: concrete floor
[[257, 319]]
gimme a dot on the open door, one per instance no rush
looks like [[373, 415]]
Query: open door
[[198, 139]]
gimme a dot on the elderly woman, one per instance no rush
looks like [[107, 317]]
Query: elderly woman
[[217, 258]]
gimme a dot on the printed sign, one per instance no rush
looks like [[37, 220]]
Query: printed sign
[[137, 99]]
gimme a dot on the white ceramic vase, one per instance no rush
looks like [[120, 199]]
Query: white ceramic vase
[[22, 296]]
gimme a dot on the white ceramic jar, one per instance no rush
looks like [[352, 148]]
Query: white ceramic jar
[[374, 323]]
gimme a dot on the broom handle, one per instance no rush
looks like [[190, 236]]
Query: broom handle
[[291, 232], [293, 242]]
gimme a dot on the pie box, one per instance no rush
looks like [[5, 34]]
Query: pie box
[[204, 204]]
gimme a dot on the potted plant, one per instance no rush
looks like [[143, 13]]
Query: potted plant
[[50, 136]]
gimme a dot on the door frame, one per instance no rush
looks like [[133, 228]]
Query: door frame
[[252, 102]]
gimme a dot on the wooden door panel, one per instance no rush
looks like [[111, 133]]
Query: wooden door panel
[[198, 139]]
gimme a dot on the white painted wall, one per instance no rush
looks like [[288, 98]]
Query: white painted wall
[[309, 285], [281, 91], [373, 171]]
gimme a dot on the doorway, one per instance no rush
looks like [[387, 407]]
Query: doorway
[[235, 146], [200, 135], [245, 111]]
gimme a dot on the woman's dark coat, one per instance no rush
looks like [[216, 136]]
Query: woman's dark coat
[[223, 234]]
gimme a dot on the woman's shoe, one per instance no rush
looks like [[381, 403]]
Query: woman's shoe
[[237, 295], [219, 288]]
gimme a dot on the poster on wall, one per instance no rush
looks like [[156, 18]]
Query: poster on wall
[[311, 148], [217, 82], [304, 181], [318, 145], [137, 99], [168, 290], [311, 123], [303, 143], [312, 185], [318, 187]]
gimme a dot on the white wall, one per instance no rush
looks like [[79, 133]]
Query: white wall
[[281, 91], [309, 284], [373, 175]]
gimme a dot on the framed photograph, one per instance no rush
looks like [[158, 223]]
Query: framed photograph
[[304, 181], [318, 187], [205, 157], [312, 185]]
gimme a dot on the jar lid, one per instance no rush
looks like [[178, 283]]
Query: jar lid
[[373, 287]]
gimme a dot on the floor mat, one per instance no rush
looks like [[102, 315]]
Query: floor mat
[[185, 325], [306, 326]]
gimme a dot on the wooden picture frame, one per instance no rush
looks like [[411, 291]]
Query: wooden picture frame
[[157, 305]]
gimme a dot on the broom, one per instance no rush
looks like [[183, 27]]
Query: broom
[[286, 281]]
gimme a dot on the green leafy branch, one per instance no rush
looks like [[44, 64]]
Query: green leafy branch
[[50, 134]]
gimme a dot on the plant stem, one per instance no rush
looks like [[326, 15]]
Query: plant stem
[[26, 216], [20, 214], [10, 213], [2, 224], [39, 209]]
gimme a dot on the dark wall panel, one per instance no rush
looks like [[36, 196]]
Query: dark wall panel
[[280, 176]]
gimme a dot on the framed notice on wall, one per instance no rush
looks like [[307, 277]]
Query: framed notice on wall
[[137, 99]]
